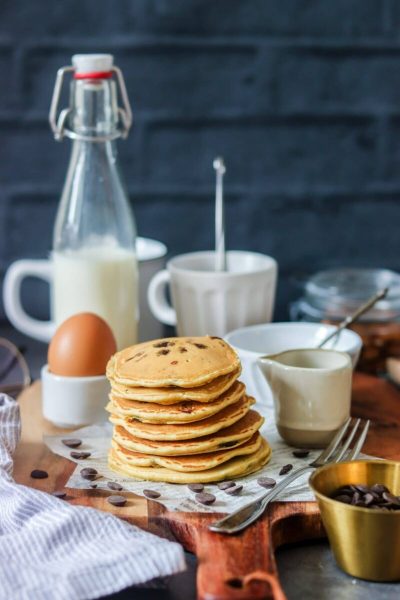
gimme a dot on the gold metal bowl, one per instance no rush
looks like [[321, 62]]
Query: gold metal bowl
[[364, 541]]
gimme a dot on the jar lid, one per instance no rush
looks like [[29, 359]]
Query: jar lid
[[336, 293]]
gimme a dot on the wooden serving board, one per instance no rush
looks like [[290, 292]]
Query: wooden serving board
[[229, 567]]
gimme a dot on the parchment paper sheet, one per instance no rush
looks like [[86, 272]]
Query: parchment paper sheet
[[96, 439]]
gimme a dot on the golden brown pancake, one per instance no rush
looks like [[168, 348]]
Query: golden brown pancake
[[235, 467], [170, 395], [184, 362], [186, 431], [181, 412], [195, 462], [230, 437]]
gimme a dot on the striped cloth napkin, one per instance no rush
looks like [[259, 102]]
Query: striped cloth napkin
[[50, 550]]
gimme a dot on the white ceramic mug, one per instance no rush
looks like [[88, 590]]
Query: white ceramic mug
[[311, 389], [206, 301], [151, 258]]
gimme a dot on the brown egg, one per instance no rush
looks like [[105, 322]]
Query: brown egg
[[81, 346]]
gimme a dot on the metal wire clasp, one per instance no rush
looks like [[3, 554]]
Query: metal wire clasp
[[58, 123]]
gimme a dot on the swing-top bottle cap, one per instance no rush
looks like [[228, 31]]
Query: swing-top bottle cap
[[94, 113], [92, 65]]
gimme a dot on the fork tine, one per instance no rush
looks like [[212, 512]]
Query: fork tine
[[329, 450], [342, 451], [359, 444]]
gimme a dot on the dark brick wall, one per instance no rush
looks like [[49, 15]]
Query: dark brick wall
[[301, 97]]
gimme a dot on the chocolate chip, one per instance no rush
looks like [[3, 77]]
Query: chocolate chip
[[301, 453], [186, 407], [113, 485], [39, 474], [162, 352], [205, 498], [196, 487], [343, 498], [79, 455], [391, 498], [285, 469], [117, 500], [72, 442], [378, 499], [224, 485], [161, 345], [88, 473], [234, 491], [363, 489], [151, 494], [368, 499], [59, 494], [200, 346], [182, 350], [174, 362], [374, 494], [379, 488], [266, 482]]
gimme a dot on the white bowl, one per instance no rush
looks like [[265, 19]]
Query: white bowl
[[259, 340], [74, 401]]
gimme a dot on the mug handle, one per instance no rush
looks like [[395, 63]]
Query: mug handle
[[16, 273], [157, 300]]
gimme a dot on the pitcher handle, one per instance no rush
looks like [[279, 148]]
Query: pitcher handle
[[16, 273]]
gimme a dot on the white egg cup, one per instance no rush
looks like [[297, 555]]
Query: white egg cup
[[74, 401]]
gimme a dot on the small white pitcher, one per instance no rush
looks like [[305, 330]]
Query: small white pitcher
[[311, 389]]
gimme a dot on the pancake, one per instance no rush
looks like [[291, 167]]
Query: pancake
[[170, 395], [181, 412], [235, 467], [184, 362], [230, 437], [186, 431], [185, 464]]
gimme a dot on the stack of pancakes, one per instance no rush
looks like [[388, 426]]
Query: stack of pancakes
[[180, 415]]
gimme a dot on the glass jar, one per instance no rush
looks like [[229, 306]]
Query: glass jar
[[330, 296]]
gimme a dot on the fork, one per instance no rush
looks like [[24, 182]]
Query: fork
[[335, 452]]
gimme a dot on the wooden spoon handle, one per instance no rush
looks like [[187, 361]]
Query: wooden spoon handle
[[240, 567]]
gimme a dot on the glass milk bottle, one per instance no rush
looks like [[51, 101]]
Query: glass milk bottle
[[94, 260]]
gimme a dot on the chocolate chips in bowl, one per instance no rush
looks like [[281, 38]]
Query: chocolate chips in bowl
[[376, 496], [359, 503]]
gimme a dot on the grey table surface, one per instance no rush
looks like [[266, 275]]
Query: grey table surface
[[307, 571]]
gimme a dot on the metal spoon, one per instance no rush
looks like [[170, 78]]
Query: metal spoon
[[356, 315], [220, 254]]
